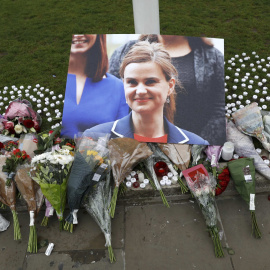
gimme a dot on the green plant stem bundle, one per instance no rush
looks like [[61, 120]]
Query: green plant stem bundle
[[45, 221], [68, 227], [113, 201], [217, 245], [164, 200], [255, 228], [183, 187], [16, 225], [32, 242], [111, 255]]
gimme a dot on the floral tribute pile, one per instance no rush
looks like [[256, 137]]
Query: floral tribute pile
[[92, 171]]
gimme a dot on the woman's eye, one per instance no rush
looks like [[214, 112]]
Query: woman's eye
[[150, 82], [132, 82]]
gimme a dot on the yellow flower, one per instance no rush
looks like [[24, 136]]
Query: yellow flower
[[91, 152], [99, 158]]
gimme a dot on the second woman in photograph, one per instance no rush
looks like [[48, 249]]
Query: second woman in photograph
[[92, 95], [149, 81]]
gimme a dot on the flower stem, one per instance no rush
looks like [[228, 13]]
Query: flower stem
[[217, 245], [183, 187], [165, 202], [61, 225], [32, 242], [16, 226], [111, 255], [68, 227], [122, 189], [214, 169], [2, 206], [255, 228], [8, 182], [45, 221], [113, 201]]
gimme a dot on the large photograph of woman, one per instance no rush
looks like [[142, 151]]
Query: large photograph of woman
[[174, 87]]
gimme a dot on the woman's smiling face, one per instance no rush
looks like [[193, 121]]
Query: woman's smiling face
[[146, 87], [82, 43]]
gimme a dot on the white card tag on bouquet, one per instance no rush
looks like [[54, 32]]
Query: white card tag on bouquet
[[252, 202], [247, 174], [75, 218], [213, 160], [99, 172], [51, 211], [32, 218]]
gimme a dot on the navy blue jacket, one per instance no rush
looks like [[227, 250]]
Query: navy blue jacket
[[124, 128]]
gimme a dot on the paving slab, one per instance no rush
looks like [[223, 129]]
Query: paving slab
[[174, 238], [83, 260], [12, 253], [86, 235], [250, 253]]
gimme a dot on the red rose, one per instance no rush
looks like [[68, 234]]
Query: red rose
[[28, 123], [58, 140], [9, 125], [50, 132], [1, 145], [223, 183], [36, 127], [226, 171], [221, 176], [28, 157], [218, 191]]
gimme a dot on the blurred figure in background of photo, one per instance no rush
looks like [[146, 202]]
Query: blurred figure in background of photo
[[200, 103], [92, 95]]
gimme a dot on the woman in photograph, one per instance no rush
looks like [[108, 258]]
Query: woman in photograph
[[92, 95], [149, 81], [200, 103]]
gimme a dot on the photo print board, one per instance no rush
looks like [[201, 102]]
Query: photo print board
[[101, 99]]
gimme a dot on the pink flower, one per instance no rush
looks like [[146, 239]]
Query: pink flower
[[9, 125]]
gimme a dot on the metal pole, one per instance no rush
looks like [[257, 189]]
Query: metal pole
[[146, 16]]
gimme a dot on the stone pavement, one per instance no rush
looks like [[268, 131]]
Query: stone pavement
[[146, 235]]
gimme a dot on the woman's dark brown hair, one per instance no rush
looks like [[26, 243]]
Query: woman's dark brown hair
[[144, 51], [97, 59], [194, 42]]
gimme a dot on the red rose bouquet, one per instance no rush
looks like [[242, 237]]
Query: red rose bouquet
[[16, 158]]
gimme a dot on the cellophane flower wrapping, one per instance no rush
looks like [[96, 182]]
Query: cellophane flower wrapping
[[125, 154], [243, 146], [243, 175], [4, 224], [51, 171], [97, 204], [196, 152], [48, 213], [266, 123], [34, 198], [179, 154], [203, 187], [249, 121], [213, 153], [28, 143], [8, 197], [91, 163]]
